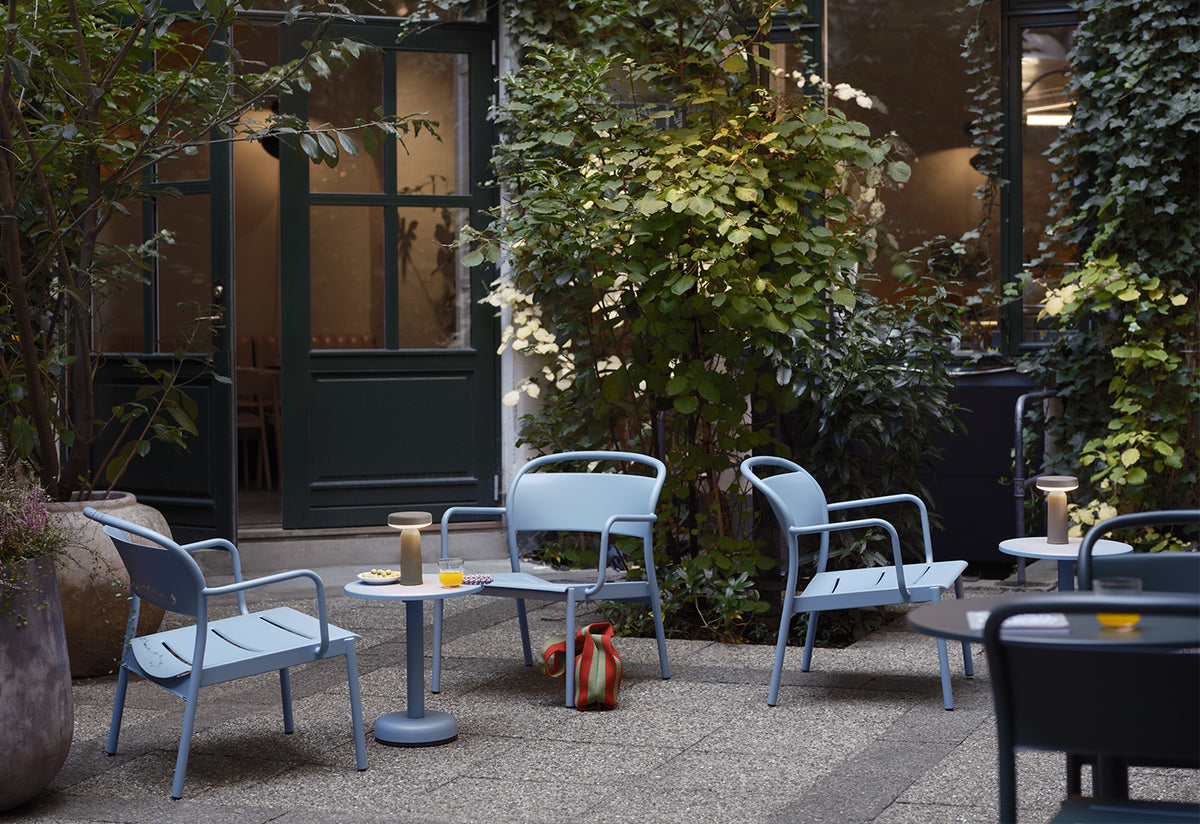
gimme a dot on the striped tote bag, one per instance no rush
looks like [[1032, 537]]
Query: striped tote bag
[[597, 666]]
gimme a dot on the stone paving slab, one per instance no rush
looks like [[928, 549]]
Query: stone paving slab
[[861, 738]]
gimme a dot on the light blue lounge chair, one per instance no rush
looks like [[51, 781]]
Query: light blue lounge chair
[[800, 506], [548, 494], [211, 652]]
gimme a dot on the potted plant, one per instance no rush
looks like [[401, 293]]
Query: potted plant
[[36, 713], [94, 95]]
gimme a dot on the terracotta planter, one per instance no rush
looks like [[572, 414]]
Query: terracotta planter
[[94, 585], [36, 712]]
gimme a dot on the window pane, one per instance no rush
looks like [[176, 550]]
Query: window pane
[[1044, 110], [434, 291], [347, 277], [922, 94], [185, 274], [120, 309], [436, 83], [355, 95]]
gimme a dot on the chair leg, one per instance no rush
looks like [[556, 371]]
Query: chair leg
[[185, 736], [943, 658], [780, 649], [523, 621], [570, 652], [968, 664], [944, 665], [285, 692], [810, 638], [659, 632], [435, 679], [356, 714], [114, 729]]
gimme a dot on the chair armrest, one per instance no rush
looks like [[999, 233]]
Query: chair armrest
[[239, 588], [602, 563], [861, 523], [894, 499], [464, 510]]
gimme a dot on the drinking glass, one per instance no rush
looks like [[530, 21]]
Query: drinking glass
[[1119, 621], [450, 572]]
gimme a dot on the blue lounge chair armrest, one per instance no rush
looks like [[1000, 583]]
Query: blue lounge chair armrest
[[894, 499], [602, 563], [463, 510], [240, 588], [838, 526]]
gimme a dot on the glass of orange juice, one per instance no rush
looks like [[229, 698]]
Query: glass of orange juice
[[1120, 621], [450, 572]]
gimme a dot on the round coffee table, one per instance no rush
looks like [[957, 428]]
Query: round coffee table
[[1065, 554], [413, 727]]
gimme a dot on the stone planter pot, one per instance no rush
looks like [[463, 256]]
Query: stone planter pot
[[36, 711], [94, 585]]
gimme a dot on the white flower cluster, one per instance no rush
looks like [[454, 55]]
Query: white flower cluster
[[842, 91], [526, 334]]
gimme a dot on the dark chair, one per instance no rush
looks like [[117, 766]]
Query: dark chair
[[1159, 571], [1122, 702]]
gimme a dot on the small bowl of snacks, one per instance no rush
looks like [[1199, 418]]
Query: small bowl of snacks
[[379, 576]]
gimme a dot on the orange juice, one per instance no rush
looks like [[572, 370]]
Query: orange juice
[[1118, 620], [450, 578]]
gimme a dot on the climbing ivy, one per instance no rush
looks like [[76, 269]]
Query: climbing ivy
[[1127, 187]]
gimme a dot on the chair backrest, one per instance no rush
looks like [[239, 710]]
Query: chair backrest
[[576, 501], [794, 494], [161, 571], [1159, 571], [1128, 700]]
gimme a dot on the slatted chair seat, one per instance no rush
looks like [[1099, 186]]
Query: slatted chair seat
[[544, 498], [800, 507], [878, 586], [283, 635], [184, 659]]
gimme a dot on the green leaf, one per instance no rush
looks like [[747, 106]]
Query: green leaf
[[735, 63], [649, 204], [686, 404]]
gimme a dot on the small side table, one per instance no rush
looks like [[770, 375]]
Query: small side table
[[1066, 554], [413, 727]]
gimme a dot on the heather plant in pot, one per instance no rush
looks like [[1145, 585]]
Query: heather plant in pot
[[36, 711]]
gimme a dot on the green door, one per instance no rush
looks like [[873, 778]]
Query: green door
[[185, 306], [389, 371]]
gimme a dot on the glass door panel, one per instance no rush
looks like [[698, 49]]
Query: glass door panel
[[433, 289], [434, 82], [347, 277], [355, 96], [1045, 109]]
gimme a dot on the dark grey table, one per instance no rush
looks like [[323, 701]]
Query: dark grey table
[[948, 619]]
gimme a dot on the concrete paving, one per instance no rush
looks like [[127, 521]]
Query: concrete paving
[[861, 738]]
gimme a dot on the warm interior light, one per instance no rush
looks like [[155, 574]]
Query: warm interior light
[[1047, 119]]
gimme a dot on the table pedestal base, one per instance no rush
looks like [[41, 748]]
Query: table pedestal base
[[396, 729]]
